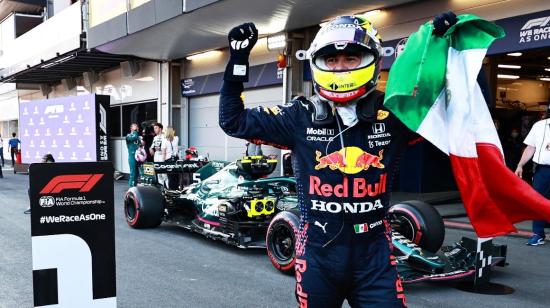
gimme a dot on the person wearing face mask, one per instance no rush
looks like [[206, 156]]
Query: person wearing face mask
[[513, 147]]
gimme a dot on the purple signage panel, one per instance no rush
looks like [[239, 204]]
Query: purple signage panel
[[65, 127]]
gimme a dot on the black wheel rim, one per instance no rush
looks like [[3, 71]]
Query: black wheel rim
[[130, 209], [282, 243], [404, 226]]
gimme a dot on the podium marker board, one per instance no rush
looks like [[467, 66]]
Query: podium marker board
[[73, 234]]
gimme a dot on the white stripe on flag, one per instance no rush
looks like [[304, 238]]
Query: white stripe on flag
[[434, 125], [467, 109]]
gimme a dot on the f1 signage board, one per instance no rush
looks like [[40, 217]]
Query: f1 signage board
[[523, 32], [73, 235], [72, 128]]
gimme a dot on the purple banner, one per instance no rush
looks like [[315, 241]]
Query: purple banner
[[64, 127]]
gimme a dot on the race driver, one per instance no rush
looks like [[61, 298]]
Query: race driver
[[345, 145]]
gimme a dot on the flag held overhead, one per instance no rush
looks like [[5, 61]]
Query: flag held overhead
[[432, 89]]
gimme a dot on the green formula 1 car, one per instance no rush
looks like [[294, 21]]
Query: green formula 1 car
[[237, 204]]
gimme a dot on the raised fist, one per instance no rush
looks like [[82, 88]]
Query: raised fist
[[242, 39], [443, 22]]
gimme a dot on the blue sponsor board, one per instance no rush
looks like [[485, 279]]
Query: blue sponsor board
[[522, 33], [259, 76]]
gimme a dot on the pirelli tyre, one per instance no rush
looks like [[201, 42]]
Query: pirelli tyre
[[143, 207], [419, 222], [280, 241]]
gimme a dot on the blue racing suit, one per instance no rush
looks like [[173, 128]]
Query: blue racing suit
[[344, 176]]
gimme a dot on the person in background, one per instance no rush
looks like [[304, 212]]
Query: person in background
[[287, 164], [132, 142], [13, 148], [141, 156], [538, 149], [156, 151], [512, 149], [170, 145], [148, 136], [170, 153], [2, 151], [48, 158], [191, 153]]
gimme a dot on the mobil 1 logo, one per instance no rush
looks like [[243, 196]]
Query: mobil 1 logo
[[72, 229]]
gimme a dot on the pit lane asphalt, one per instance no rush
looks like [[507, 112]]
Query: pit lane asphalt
[[170, 267]]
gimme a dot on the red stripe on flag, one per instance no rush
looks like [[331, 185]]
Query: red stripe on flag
[[494, 197]]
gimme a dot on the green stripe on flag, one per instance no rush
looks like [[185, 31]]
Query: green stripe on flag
[[471, 32], [417, 76]]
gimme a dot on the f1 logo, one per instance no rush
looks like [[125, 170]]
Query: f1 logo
[[103, 119], [541, 22], [83, 182], [378, 128]]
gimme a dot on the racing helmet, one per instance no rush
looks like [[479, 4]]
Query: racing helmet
[[191, 152], [347, 35]]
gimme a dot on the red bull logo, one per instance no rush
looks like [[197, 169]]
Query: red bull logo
[[365, 160], [356, 188], [334, 160], [349, 160]]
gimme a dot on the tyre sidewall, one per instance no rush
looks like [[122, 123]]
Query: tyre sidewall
[[292, 221], [429, 230], [148, 204]]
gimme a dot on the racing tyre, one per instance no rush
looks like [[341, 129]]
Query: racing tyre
[[419, 222], [143, 207], [280, 241]]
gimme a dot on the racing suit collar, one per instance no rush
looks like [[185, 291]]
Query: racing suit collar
[[347, 113]]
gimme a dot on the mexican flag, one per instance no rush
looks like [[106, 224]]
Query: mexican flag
[[361, 228], [432, 88]]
